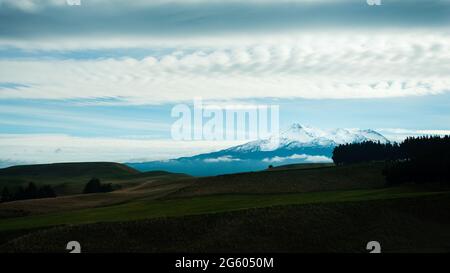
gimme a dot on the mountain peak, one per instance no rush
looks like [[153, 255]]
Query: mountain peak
[[298, 144], [308, 135], [304, 136], [297, 132], [296, 126]]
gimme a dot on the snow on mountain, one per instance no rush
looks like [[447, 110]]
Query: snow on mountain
[[295, 145], [298, 136]]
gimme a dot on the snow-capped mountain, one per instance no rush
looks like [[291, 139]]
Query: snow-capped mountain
[[302, 136], [297, 144]]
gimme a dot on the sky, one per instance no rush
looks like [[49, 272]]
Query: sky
[[98, 81]]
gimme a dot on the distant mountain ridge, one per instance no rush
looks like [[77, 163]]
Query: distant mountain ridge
[[298, 144], [301, 136]]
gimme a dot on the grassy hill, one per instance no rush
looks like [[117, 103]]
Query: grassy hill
[[291, 178], [146, 186], [418, 224], [301, 208], [154, 185], [300, 166], [151, 208], [68, 170], [70, 178]]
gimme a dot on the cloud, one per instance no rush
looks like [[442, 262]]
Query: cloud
[[79, 120], [116, 18], [12, 85], [399, 134], [167, 51], [45, 148], [303, 157], [31, 5], [358, 65], [226, 158], [222, 50], [4, 163]]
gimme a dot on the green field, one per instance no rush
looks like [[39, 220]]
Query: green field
[[322, 177], [300, 209], [199, 205], [416, 224], [70, 178]]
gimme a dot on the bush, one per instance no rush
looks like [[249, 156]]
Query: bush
[[6, 195], [30, 192], [95, 186]]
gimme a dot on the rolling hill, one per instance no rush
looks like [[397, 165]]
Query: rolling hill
[[70, 178], [402, 224], [293, 208], [288, 179], [107, 169]]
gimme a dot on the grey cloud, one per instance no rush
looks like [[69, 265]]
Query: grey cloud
[[214, 18]]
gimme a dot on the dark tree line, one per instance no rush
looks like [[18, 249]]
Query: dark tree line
[[366, 152], [34, 192], [95, 186], [427, 161], [30, 192], [416, 159]]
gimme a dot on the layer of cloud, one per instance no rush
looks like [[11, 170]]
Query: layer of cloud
[[76, 120], [44, 148], [302, 157], [34, 149], [225, 158], [342, 65], [398, 134], [117, 18]]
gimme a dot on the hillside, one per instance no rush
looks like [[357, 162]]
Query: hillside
[[314, 227], [299, 166], [288, 179], [106, 169], [159, 211], [149, 187], [70, 178]]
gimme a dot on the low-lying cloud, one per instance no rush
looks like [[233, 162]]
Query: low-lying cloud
[[226, 158], [303, 157], [33, 149]]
